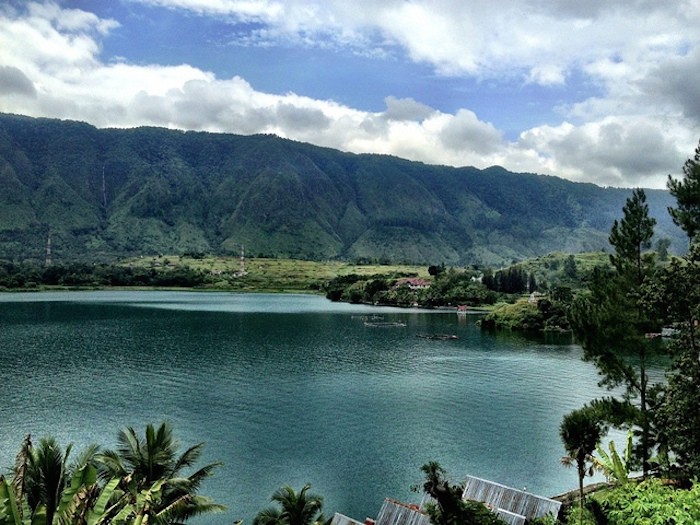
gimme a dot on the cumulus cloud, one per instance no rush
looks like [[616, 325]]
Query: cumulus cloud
[[644, 61], [676, 83], [541, 40], [465, 132], [13, 81], [406, 109], [613, 152]]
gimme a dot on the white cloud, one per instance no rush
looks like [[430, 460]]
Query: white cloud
[[627, 151], [242, 9], [539, 39], [644, 60]]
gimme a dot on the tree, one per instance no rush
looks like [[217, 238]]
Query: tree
[[632, 236], [450, 508], [43, 477], [294, 508], [531, 282], [611, 320], [142, 463], [436, 270], [580, 431], [677, 297], [81, 502], [652, 502], [616, 468], [687, 194], [661, 247], [570, 269]]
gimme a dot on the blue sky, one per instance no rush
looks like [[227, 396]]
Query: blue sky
[[597, 91]]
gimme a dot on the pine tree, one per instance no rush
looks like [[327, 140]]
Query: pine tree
[[611, 322], [677, 296], [632, 236], [687, 194]]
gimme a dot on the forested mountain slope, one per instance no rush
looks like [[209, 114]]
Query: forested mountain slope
[[108, 193]]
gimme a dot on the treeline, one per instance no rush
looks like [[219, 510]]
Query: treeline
[[16, 276], [510, 280], [445, 288]]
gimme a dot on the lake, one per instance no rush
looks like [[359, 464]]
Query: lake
[[289, 389]]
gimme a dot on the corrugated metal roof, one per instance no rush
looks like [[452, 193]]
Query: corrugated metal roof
[[397, 513], [497, 496], [342, 519], [510, 517]]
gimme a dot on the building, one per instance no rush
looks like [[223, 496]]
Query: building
[[513, 506], [414, 283]]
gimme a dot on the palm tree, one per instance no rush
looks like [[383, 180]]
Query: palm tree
[[43, 472], [48, 490], [295, 508], [435, 483], [143, 464], [580, 431]]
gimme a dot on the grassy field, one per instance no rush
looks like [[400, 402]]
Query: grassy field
[[272, 275]]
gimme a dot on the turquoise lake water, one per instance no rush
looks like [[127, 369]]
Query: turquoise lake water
[[289, 389]]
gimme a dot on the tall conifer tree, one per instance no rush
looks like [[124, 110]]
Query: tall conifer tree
[[687, 194], [611, 323], [677, 294]]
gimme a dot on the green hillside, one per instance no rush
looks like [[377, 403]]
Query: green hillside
[[104, 194]]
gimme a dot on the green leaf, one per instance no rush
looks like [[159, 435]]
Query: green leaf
[[99, 512], [9, 512]]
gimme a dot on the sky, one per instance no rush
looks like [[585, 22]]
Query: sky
[[602, 91]]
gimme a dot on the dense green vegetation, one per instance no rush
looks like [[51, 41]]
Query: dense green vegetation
[[194, 271], [293, 508], [103, 195], [618, 320], [145, 480]]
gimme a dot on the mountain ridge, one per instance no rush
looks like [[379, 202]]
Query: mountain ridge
[[111, 193]]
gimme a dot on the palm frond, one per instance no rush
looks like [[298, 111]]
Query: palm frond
[[269, 516], [189, 506], [129, 446], [203, 473], [20, 469], [188, 458]]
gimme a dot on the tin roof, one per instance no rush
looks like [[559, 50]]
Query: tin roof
[[513, 501], [396, 513]]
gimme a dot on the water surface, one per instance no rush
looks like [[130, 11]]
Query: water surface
[[289, 389]]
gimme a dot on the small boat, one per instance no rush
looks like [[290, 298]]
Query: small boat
[[441, 337], [369, 317], [385, 324]]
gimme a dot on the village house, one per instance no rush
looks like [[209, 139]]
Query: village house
[[414, 283]]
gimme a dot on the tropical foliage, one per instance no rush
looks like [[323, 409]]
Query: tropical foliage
[[154, 471], [580, 431], [652, 501], [448, 507], [615, 467], [139, 483], [293, 508]]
